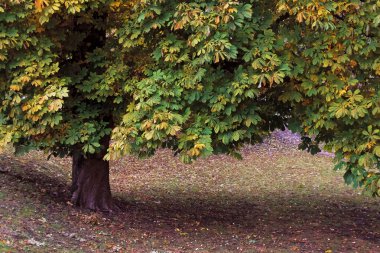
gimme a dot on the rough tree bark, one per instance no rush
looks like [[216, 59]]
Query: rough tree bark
[[90, 181]]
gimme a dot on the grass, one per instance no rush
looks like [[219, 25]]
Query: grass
[[277, 199]]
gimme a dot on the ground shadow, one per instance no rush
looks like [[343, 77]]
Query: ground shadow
[[276, 215]]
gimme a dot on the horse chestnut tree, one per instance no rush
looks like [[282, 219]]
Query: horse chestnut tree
[[97, 79]]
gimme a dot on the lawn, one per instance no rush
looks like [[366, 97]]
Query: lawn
[[277, 199]]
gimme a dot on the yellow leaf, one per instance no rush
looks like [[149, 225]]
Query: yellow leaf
[[35, 118], [15, 87], [370, 144], [199, 146], [25, 79], [146, 125], [149, 135], [300, 17], [193, 152], [40, 4], [342, 92], [216, 58], [115, 5], [232, 10], [37, 83], [2, 57], [25, 108], [178, 25], [162, 125], [55, 105], [175, 130], [217, 20]]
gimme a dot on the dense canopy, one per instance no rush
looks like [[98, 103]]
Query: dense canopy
[[198, 77]]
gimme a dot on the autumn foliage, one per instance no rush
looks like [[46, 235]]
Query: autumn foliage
[[198, 77]]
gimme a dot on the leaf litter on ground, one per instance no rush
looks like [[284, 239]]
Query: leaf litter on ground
[[277, 198]]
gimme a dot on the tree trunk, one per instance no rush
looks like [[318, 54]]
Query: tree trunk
[[90, 173], [90, 182]]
